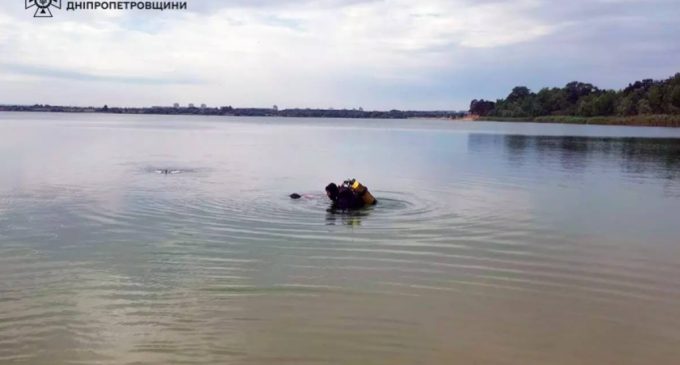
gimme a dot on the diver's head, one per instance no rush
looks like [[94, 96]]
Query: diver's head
[[332, 191]]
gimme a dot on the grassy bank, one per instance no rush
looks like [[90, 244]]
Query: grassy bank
[[637, 120]]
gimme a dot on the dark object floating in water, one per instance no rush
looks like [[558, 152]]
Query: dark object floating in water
[[298, 196], [166, 172]]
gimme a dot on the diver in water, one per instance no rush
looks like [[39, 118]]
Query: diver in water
[[350, 195], [343, 197]]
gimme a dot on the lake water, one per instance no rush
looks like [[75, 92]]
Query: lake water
[[493, 243]]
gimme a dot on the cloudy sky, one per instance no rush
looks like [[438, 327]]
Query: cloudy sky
[[375, 54]]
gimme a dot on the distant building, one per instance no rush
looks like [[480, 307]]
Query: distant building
[[191, 105], [176, 106], [276, 108], [203, 106]]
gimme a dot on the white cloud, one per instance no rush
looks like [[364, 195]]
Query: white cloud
[[295, 53]]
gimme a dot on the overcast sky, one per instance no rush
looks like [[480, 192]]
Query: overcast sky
[[389, 54]]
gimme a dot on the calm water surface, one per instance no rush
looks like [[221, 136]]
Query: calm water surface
[[492, 243]]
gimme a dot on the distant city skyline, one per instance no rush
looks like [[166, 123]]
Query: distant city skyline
[[190, 105], [382, 55]]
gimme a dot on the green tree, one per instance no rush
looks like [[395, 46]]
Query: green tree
[[543, 99], [655, 99], [576, 90], [519, 93], [675, 96], [675, 80], [586, 107], [577, 98], [604, 104], [481, 107], [627, 107], [644, 107]]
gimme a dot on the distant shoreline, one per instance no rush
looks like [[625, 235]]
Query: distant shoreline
[[669, 121], [645, 103], [243, 112]]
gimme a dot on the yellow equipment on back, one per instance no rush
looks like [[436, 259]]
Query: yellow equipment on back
[[362, 191]]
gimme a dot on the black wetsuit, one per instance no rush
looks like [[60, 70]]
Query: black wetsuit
[[347, 199]]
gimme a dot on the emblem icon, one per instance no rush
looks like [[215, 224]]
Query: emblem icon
[[43, 7]]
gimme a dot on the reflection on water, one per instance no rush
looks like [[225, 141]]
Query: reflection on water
[[641, 156], [524, 247], [347, 217]]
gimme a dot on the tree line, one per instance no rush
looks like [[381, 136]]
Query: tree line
[[646, 97], [247, 112]]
